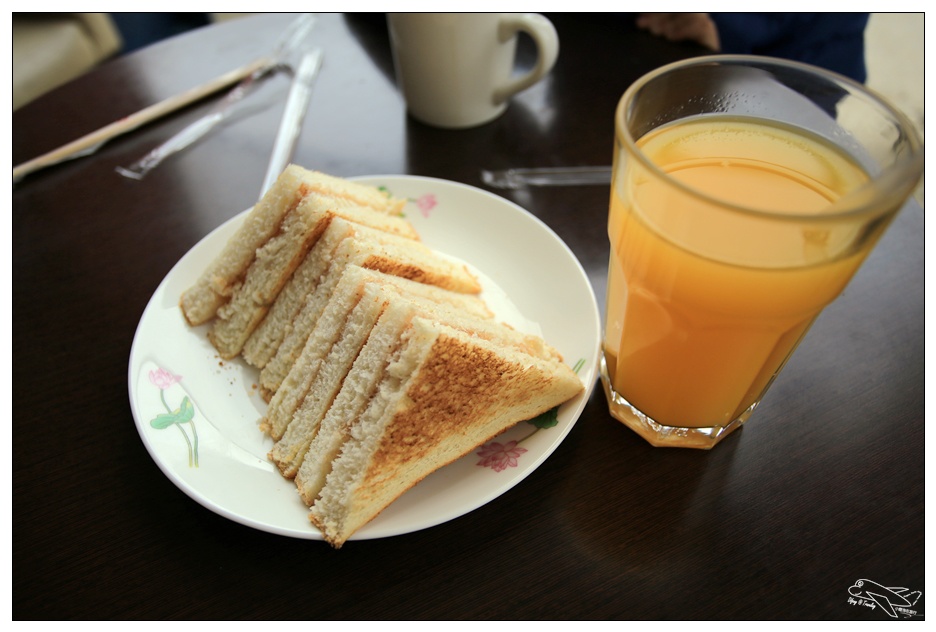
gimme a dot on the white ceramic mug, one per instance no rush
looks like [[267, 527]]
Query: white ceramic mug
[[454, 69]]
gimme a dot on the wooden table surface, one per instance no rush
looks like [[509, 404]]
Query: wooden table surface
[[822, 488]]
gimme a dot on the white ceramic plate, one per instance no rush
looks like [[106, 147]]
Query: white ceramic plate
[[198, 415]]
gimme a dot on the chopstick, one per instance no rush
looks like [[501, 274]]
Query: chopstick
[[89, 143]]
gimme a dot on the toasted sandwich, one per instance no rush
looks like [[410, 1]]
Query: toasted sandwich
[[265, 340], [321, 424], [374, 253], [348, 309], [441, 393], [214, 287]]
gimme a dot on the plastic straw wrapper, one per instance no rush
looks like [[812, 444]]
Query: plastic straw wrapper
[[546, 177], [290, 41], [293, 115]]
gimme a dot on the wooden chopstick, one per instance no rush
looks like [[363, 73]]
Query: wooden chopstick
[[90, 142]]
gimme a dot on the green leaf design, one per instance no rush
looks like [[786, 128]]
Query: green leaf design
[[163, 421], [550, 418], [546, 420], [186, 410], [183, 414]]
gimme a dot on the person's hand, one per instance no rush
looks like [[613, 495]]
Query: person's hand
[[676, 27]]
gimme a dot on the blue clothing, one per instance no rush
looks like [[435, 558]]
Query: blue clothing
[[142, 29], [834, 41]]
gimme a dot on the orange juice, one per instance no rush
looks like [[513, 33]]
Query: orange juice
[[715, 279]]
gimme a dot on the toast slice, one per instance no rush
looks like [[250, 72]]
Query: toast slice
[[276, 263], [214, 287], [265, 340], [374, 253], [346, 309], [326, 424], [443, 393], [321, 424], [271, 268]]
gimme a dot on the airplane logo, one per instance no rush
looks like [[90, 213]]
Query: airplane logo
[[889, 599]]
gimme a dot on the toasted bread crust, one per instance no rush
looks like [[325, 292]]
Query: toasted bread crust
[[353, 192], [463, 282], [462, 392]]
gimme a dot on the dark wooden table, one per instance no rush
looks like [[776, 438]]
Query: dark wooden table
[[822, 488]]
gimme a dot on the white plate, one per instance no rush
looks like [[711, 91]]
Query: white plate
[[173, 365]]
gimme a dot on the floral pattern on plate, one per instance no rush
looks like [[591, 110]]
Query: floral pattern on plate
[[182, 418]]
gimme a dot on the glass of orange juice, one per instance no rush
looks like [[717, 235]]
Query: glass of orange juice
[[746, 192]]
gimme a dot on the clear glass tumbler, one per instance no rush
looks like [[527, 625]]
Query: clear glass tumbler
[[746, 192]]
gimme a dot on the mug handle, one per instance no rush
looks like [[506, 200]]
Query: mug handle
[[547, 43]]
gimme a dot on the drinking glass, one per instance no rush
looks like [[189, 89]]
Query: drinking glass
[[746, 191]]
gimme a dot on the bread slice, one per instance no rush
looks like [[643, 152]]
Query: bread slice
[[277, 260], [337, 317], [443, 392], [324, 425], [264, 341], [374, 253], [271, 268], [214, 287], [329, 376], [321, 424]]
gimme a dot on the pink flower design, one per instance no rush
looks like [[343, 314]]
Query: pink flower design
[[426, 203], [500, 456], [163, 379], [178, 417]]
